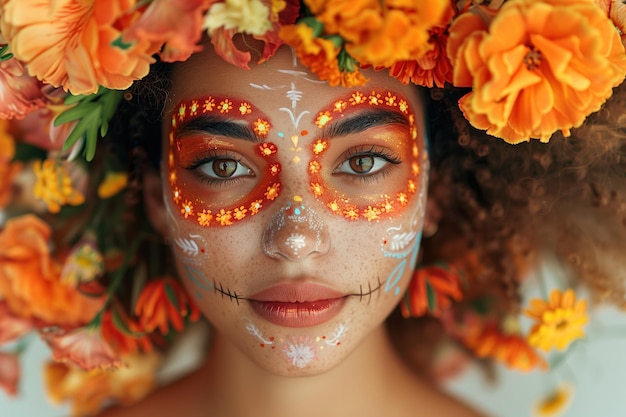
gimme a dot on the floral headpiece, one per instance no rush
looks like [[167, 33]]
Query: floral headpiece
[[531, 68]]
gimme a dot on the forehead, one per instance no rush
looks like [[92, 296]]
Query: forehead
[[206, 73]]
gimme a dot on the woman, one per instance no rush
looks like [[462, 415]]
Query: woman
[[294, 211]]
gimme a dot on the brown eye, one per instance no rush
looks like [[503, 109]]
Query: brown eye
[[224, 168], [361, 164]]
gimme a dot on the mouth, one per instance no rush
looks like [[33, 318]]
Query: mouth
[[298, 305]]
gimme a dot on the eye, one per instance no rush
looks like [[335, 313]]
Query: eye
[[367, 162], [224, 168]]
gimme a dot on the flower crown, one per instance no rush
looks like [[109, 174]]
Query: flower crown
[[531, 68]]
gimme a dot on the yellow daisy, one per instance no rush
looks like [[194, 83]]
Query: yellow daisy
[[559, 321]]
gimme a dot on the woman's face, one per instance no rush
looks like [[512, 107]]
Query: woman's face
[[294, 208]]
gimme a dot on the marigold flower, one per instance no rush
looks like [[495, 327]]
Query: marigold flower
[[556, 402], [9, 372], [558, 321], [89, 392], [538, 67], [20, 93], [511, 350], [72, 43], [83, 346], [12, 327], [175, 23], [30, 280], [319, 55], [54, 185], [163, 302], [432, 289]]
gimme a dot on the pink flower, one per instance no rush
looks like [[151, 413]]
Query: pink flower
[[9, 372], [83, 346], [177, 23], [20, 93], [12, 327]]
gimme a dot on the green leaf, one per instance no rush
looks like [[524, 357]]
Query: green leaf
[[92, 114], [313, 23], [169, 291], [4, 53], [119, 43], [431, 297]]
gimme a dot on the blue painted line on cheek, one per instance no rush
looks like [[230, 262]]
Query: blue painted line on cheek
[[198, 278], [395, 276]]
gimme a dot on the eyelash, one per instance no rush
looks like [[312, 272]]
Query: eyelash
[[373, 151], [211, 156]]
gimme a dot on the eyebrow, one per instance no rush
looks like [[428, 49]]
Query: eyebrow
[[363, 121], [218, 126]]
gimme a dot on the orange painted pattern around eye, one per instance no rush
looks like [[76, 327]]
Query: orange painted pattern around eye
[[188, 203]]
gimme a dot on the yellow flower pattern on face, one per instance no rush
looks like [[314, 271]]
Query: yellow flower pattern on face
[[558, 322], [54, 185]]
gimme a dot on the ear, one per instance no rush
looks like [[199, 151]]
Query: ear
[[153, 200]]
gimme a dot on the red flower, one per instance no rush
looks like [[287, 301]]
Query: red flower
[[177, 23], [20, 93], [432, 289], [127, 341], [83, 346], [163, 301], [9, 372]]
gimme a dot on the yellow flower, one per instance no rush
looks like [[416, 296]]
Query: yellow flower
[[54, 185], [113, 183], [247, 16], [558, 321], [555, 403]]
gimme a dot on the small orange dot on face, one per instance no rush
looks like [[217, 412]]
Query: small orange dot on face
[[304, 133]]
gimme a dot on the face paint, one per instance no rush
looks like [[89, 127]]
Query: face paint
[[295, 232], [299, 351], [195, 154], [371, 161]]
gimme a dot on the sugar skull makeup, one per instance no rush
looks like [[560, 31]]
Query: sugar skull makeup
[[196, 150]]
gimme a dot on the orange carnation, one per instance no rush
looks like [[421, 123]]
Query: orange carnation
[[8, 168], [432, 290], [71, 43], [537, 67], [30, 280]]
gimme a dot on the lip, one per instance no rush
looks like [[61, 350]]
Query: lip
[[298, 305]]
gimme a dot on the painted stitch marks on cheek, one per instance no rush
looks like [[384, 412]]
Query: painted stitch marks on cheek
[[298, 351], [212, 169], [370, 162]]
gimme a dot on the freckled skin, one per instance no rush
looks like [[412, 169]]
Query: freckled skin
[[233, 255]]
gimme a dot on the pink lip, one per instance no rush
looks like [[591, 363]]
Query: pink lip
[[298, 305]]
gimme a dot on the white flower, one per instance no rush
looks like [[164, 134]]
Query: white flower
[[300, 354], [246, 16]]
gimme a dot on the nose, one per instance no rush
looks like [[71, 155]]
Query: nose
[[294, 233]]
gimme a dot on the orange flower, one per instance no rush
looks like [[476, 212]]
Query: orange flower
[[20, 93], [163, 302], [83, 346], [175, 23], [511, 350], [352, 20], [54, 185], [434, 68], [538, 67], [8, 169], [432, 289], [30, 279], [72, 43], [128, 341], [89, 392], [12, 327], [558, 321], [9, 372], [319, 55]]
